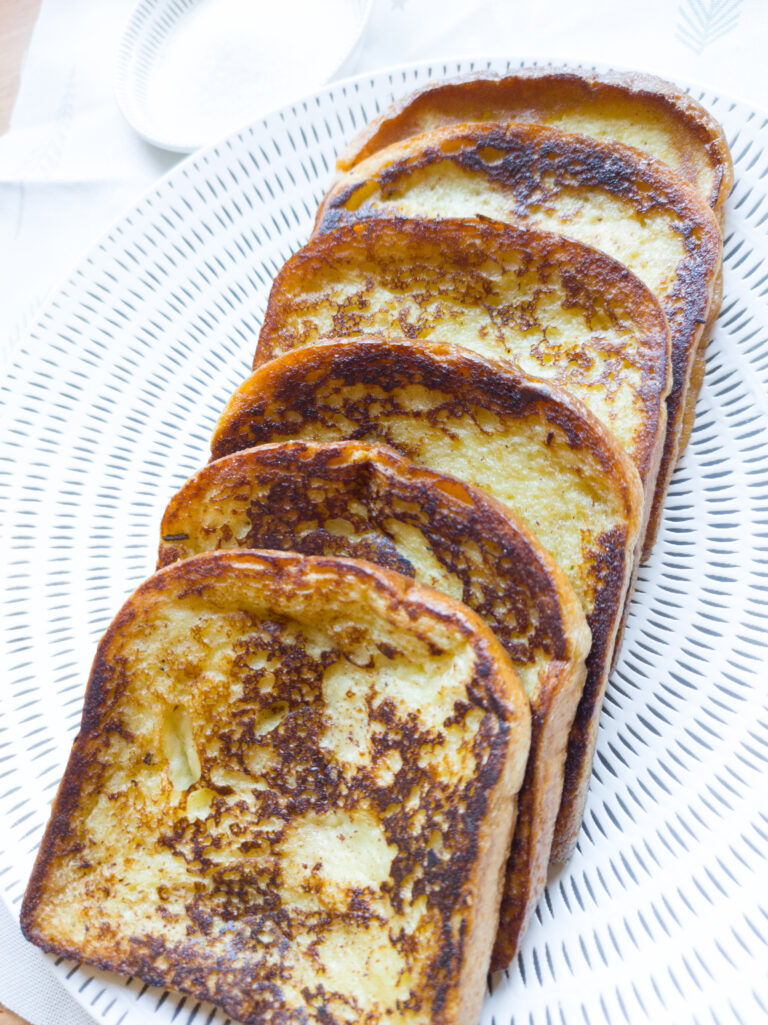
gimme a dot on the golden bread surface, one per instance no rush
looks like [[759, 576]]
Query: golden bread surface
[[638, 110], [529, 445], [291, 794], [601, 193], [558, 310], [366, 501]]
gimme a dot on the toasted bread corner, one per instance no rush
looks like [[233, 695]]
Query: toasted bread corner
[[223, 828]]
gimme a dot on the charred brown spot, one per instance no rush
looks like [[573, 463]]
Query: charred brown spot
[[235, 896]]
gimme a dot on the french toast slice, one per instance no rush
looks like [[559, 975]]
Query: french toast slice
[[531, 446], [557, 309], [639, 110], [601, 193], [367, 502], [292, 794]]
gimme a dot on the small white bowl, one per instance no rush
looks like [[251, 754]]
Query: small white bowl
[[191, 71]]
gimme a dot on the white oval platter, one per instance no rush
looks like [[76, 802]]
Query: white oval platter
[[662, 914]]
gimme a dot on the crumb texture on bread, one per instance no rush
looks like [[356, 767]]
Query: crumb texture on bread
[[597, 192], [292, 794], [600, 193], [556, 309], [526, 443], [603, 194], [531, 446], [366, 501], [638, 110]]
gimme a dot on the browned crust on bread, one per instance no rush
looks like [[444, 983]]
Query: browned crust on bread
[[538, 163], [583, 736], [265, 403], [533, 94], [298, 395], [421, 261], [699, 367], [294, 490], [538, 804], [235, 972]]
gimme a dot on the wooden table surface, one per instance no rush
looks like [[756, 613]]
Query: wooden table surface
[[17, 19], [9, 1018]]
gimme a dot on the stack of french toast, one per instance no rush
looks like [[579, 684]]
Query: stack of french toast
[[331, 748]]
